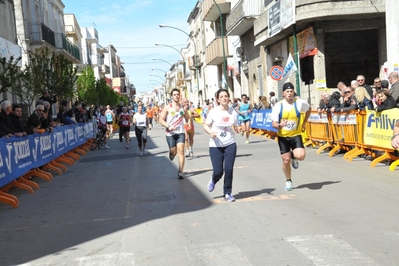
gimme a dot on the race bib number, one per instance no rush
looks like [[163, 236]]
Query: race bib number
[[223, 132], [141, 123], [291, 125], [125, 122]]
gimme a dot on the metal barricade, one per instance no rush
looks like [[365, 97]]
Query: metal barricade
[[319, 131]]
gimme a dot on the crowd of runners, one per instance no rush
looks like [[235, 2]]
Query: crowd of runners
[[221, 118]]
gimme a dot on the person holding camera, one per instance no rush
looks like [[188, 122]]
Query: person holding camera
[[47, 97]]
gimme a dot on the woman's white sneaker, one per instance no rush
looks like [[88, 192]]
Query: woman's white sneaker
[[229, 198]]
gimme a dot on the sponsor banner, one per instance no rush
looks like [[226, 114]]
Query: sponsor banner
[[318, 118], [281, 16], [18, 155], [307, 44], [262, 119], [379, 127], [344, 119]]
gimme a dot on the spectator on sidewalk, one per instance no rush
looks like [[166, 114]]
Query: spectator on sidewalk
[[5, 120], [384, 101], [361, 81], [15, 117], [364, 100], [394, 91], [47, 97], [34, 120]]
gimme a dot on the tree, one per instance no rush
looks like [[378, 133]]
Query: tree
[[27, 93], [52, 72], [38, 71], [10, 74], [86, 87], [63, 77], [107, 95]]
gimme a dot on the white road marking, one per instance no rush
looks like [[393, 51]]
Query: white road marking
[[114, 259], [326, 250], [221, 254]]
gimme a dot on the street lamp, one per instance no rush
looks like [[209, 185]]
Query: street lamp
[[157, 76], [156, 81], [184, 62], [195, 49], [161, 44], [162, 61], [158, 70]]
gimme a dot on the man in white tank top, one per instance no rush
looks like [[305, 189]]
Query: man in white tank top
[[171, 118]]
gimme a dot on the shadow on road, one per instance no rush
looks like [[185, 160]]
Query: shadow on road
[[250, 194], [107, 191], [315, 186]]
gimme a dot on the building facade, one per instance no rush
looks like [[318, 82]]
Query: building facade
[[218, 47], [336, 41]]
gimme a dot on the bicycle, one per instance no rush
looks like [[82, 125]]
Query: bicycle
[[98, 141]]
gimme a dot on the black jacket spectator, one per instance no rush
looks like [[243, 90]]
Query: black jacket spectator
[[333, 101], [61, 115], [34, 120], [5, 120], [48, 98], [389, 103]]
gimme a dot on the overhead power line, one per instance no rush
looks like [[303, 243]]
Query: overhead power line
[[145, 47], [136, 63]]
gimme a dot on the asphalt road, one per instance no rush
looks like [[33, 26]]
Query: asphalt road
[[116, 208]]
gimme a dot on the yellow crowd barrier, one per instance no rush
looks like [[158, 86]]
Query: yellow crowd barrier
[[356, 133]]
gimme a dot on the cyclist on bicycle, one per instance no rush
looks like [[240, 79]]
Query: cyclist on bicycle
[[110, 120], [102, 126]]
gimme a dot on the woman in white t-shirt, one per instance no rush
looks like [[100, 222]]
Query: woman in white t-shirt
[[221, 124], [140, 129]]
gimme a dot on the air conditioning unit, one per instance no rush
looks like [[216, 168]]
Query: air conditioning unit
[[240, 51], [244, 67]]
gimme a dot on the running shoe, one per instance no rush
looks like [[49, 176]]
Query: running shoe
[[180, 175], [247, 141], [127, 146], [191, 154], [106, 146], [145, 151], [140, 153], [211, 185], [171, 157], [288, 185], [187, 153], [294, 162], [229, 198]]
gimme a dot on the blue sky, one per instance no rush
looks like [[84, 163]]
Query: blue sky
[[134, 24]]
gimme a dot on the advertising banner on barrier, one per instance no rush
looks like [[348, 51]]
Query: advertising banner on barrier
[[318, 118], [262, 119], [344, 119], [18, 155], [379, 127]]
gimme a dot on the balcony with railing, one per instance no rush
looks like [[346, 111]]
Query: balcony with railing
[[104, 69], [214, 51], [90, 34], [62, 42], [242, 16], [38, 32], [210, 11]]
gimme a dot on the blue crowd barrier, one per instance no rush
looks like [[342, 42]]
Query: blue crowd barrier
[[18, 155], [261, 119]]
